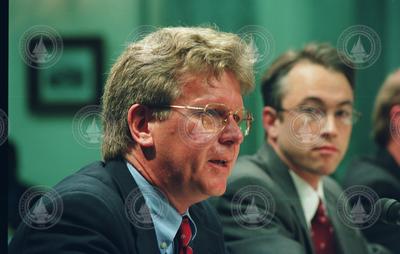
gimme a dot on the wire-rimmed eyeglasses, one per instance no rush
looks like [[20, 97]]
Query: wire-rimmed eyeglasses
[[214, 116]]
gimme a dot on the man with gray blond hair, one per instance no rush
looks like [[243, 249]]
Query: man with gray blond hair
[[173, 120], [381, 172]]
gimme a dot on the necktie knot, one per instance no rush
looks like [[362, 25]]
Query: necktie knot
[[320, 214]]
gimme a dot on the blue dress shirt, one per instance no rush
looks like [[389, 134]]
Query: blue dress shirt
[[166, 218]]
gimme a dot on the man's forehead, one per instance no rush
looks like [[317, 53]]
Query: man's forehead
[[322, 102], [325, 97], [315, 83], [308, 71], [203, 88], [207, 80]]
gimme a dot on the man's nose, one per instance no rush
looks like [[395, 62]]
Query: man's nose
[[231, 134], [329, 127]]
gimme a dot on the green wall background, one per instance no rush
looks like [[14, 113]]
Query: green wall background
[[47, 150]]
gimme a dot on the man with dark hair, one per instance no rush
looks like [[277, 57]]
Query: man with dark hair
[[173, 120], [282, 200], [381, 172]]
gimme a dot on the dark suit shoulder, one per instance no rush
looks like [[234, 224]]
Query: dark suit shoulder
[[364, 168], [93, 178], [91, 218], [366, 171], [249, 168]]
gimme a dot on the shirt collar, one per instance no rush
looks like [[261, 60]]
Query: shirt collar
[[309, 197], [167, 225]]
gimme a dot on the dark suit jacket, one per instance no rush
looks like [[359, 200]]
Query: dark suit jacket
[[382, 174], [94, 219], [287, 232]]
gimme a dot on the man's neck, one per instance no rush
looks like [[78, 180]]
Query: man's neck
[[394, 150], [311, 178], [180, 202]]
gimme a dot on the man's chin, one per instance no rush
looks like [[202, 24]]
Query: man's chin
[[322, 170], [325, 166], [326, 170], [217, 190]]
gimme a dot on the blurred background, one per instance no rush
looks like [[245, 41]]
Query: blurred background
[[53, 108]]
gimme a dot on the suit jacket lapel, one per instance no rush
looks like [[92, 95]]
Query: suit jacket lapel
[[203, 242], [145, 238], [331, 206], [279, 172], [348, 239]]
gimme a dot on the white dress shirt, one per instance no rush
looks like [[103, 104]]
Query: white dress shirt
[[309, 197]]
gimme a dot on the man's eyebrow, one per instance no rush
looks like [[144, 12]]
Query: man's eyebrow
[[313, 100], [317, 100], [345, 103]]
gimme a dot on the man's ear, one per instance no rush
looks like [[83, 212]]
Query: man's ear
[[270, 119], [395, 111], [138, 122]]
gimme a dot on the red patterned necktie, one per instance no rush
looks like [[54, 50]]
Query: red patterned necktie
[[185, 237], [322, 232]]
